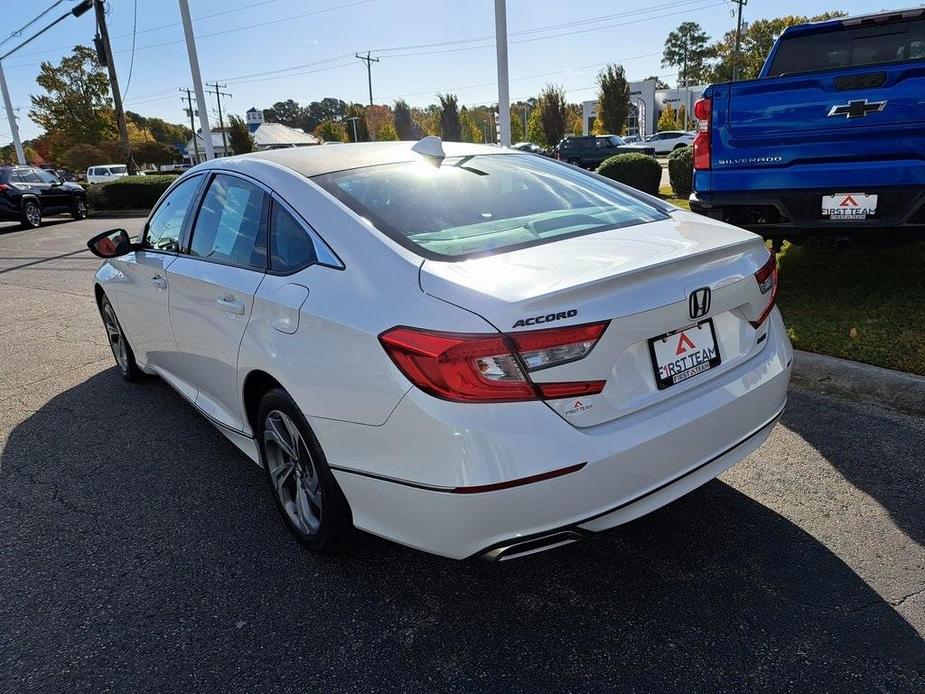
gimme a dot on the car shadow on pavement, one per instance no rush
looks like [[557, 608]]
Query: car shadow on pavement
[[7, 227], [882, 459], [140, 550]]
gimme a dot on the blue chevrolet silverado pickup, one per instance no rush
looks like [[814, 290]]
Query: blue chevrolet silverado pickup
[[830, 137]]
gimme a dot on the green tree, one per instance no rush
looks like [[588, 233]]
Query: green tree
[[76, 105], [239, 137], [535, 132], [470, 129], [161, 130], [687, 49], [613, 97], [404, 125], [667, 119], [331, 131], [517, 124], [450, 127], [287, 112], [387, 132], [155, 153], [553, 113]]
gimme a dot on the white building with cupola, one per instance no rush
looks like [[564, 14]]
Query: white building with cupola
[[266, 136]]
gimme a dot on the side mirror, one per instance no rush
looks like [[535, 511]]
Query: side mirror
[[111, 244]]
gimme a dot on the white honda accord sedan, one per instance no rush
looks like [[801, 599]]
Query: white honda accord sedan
[[470, 350]]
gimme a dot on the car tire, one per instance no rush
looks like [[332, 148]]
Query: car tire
[[307, 496], [31, 215], [118, 343], [79, 209]]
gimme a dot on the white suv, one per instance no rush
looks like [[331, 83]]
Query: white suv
[[106, 173], [669, 140]]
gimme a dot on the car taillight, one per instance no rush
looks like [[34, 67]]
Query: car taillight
[[476, 367], [703, 111], [767, 284], [3, 187]]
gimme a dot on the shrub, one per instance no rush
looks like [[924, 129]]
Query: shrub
[[96, 200], [637, 170], [681, 171], [132, 192]]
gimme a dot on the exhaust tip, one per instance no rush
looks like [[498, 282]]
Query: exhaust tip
[[518, 549]]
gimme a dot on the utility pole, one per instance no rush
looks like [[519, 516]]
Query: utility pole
[[11, 116], [735, 53], [103, 33], [504, 100], [194, 157], [369, 72], [525, 123], [197, 80], [221, 124]]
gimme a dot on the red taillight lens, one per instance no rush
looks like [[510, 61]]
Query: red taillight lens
[[466, 367], [767, 283], [3, 186], [703, 111]]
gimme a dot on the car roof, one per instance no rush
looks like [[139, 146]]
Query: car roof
[[315, 161]]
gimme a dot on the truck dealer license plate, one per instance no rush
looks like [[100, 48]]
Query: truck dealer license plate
[[849, 206]]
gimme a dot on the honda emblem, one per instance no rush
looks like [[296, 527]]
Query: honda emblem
[[699, 302]]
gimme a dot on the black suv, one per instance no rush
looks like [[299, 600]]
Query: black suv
[[27, 193], [589, 151]]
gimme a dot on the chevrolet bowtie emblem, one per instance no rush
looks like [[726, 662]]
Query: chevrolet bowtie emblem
[[857, 109]]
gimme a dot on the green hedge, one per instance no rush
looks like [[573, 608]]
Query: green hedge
[[637, 170], [681, 171], [129, 192]]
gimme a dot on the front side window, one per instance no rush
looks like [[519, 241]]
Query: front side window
[[164, 229], [230, 227], [485, 204], [46, 176], [291, 248]]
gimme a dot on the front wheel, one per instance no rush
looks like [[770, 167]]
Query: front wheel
[[31, 215], [79, 209], [121, 349], [306, 494]]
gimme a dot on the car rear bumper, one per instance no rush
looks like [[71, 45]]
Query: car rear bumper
[[798, 212], [624, 468]]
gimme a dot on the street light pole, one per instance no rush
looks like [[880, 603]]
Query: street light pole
[[197, 80], [354, 120], [14, 128], [504, 100]]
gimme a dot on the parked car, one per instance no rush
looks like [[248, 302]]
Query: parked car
[[463, 348], [106, 173], [828, 140], [589, 151], [668, 140], [631, 139], [27, 193]]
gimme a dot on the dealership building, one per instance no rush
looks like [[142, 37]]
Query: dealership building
[[645, 106]]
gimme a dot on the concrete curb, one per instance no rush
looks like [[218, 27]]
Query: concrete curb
[[894, 390]]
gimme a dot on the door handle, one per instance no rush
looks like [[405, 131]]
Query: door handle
[[231, 305], [159, 282]]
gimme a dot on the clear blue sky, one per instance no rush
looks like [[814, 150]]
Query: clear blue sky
[[425, 46]]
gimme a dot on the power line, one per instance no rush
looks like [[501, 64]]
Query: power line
[[131, 66], [32, 21]]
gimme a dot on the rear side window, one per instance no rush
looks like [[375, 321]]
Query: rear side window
[[164, 229], [850, 47], [480, 205], [28, 176], [291, 248], [231, 224]]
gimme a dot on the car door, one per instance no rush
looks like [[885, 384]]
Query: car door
[[140, 295], [212, 287], [54, 197]]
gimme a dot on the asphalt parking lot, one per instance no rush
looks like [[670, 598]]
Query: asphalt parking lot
[[140, 552]]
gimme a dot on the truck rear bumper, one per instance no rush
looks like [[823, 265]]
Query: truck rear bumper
[[799, 212]]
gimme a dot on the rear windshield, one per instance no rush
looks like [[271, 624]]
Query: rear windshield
[[850, 47], [481, 205]]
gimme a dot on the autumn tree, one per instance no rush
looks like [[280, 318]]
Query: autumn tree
[[358, 126], [376, 118], [404, 125], [687, 48], [76, 105], [667, 119], [450, 127], [613, 95], [387, 132]]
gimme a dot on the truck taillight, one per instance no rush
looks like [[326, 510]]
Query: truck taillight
[[477, 367], [767, 284], [703, 111]]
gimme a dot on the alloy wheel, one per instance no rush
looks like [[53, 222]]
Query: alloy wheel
[[33, 214], [292, 472], [116, 340]]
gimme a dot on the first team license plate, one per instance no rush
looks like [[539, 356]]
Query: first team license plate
[[681, 354], [849, 207]]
